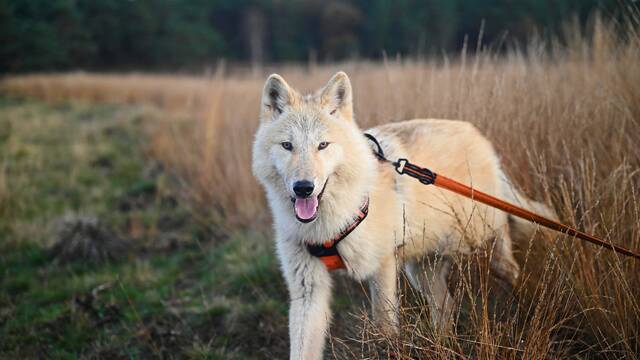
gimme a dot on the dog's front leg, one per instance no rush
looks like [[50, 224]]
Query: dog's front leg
[[384, 296], [309, 314]]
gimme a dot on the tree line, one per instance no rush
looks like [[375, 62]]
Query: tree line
[[49, 35]]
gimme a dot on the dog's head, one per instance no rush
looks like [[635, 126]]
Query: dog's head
[[303, 141]]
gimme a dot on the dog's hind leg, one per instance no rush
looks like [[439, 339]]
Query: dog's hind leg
[[384, 298], [503, 264], [430, 279]]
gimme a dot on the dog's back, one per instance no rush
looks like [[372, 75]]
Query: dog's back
[[438, 220]]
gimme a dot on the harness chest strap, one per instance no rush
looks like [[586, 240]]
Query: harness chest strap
[[327, 252]]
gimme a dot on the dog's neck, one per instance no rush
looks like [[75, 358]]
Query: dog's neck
[[330, 222]]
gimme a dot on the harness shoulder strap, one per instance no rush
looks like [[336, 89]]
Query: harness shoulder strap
[[328, 251]]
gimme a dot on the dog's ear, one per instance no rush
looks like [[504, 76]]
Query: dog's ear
[[276, 96], [336, 96]]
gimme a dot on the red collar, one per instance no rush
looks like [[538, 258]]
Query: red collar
[[327, 252]]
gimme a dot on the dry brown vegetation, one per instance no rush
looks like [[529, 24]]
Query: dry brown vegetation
[[565, 120]]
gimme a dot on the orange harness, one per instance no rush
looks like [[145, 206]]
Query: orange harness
[[328, 252]]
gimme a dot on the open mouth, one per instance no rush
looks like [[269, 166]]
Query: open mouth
[[306, 209]]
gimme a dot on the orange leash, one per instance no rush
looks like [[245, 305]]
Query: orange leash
[[427, 177]]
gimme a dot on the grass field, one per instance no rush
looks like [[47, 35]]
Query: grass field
[[173, 290], [164, 163]]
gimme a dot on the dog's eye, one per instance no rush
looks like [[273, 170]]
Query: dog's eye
[[287, 145], [323, 145]]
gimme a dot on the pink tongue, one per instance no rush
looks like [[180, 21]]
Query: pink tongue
[[306, 208]]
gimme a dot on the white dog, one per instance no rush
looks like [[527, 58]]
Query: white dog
[[335, 205]]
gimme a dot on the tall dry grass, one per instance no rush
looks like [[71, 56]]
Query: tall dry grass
[[564, 118]]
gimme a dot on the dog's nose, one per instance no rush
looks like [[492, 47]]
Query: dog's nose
[[303, 188]]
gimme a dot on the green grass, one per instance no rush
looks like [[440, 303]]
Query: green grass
[[176, 293]]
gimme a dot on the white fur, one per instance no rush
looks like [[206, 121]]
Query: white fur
[[406, 220]]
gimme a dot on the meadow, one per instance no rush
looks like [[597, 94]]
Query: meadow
[[164, 160]]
